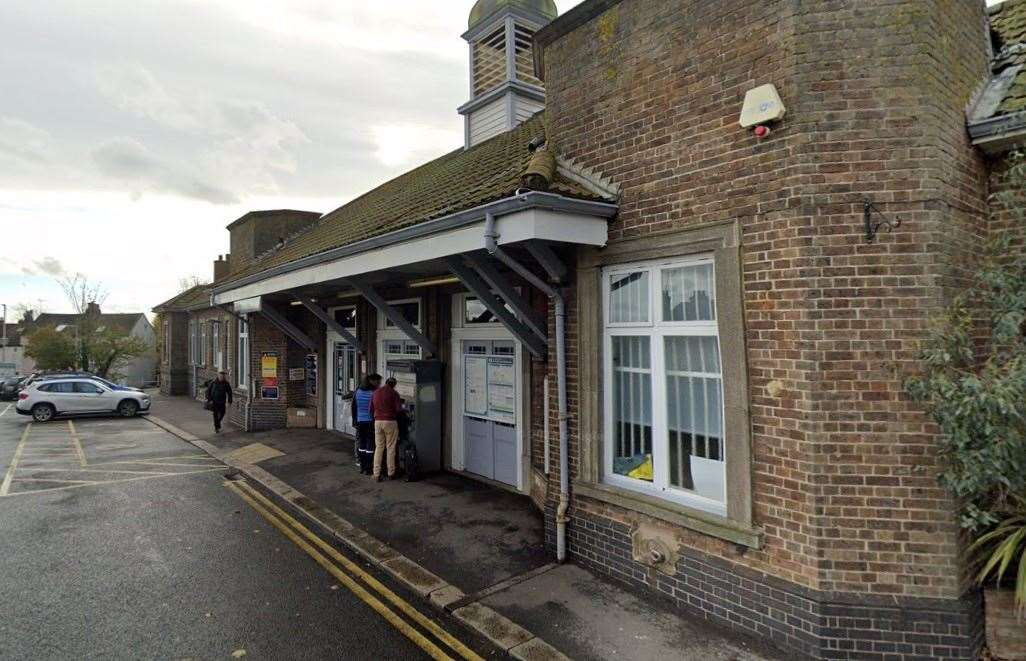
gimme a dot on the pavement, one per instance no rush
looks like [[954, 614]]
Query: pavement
[[466, 548], [122, 541]]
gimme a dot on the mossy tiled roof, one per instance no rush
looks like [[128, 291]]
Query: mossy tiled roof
[[460, 180], [1008, 23], [194, 298]]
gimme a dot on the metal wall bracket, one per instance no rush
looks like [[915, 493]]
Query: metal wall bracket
[[869, 209], [328, 321], [287, 327], [472, 281], [526, 314], [393, 315]]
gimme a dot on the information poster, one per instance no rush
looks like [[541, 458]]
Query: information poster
[[502, 396], [475, 397], [269, 375], [311, 375]]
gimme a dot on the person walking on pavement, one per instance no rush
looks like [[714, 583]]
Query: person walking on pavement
[[386, 407], [363, 422], [219, 395]]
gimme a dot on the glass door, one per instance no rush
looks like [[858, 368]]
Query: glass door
[[345, 385]]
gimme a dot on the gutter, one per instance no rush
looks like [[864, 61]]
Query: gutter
[[997, 126], [505, 206], [491, 238]]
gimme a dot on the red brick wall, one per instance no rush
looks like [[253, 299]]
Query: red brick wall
[[649, 94]]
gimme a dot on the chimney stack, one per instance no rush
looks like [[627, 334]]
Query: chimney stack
[[221, 268]]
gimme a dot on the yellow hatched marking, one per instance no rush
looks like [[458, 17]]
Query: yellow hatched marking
[[440, 633], [107, 482], [366, 597], [77, 444], [5, 487]]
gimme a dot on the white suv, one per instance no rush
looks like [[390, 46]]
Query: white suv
[[45, 400]]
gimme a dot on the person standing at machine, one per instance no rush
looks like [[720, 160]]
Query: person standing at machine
[[363, 422], [386, 407]]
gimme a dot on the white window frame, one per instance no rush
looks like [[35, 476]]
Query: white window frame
[[658, 331], [389, 333], [215, 342], [192, 342], [204, 345], [242, 371], [386, 325]]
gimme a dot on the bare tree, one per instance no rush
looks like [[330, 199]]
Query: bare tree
[[80, 291], [185, 284]]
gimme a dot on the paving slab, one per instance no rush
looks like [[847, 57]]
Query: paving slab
[[502, 631], [586, 617]]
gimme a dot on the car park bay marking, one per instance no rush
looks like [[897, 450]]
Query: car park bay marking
[[78, 444], [6, 410], [105, 482], [5, 487]]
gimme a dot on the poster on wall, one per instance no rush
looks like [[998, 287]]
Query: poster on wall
[[269, 375], [502, 404], [311, 374], [475, 396]]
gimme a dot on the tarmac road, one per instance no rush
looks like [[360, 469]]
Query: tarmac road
[[120, 541]]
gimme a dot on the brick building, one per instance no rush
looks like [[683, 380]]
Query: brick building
[[685, 341]]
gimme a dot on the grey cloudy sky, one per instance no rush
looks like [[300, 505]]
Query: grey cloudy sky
[[133, 131]]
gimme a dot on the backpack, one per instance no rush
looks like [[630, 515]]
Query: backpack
[[411, 462]]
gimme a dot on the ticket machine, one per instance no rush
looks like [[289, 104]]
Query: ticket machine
[[420, 386]]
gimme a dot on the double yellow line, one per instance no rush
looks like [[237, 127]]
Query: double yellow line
[[338, 565]]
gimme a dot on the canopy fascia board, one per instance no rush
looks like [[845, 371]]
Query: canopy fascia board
[[530, 216]]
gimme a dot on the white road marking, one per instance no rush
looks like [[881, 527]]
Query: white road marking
[[78, 445], [6, 485], [107, 482], [6, 410], [91, 470]]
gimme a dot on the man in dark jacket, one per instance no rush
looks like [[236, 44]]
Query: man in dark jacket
[[219, 396]]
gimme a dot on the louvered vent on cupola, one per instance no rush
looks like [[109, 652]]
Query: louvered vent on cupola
[[504, 89]]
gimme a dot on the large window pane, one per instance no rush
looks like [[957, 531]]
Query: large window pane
[[632, 407], [694, 392], [689, 293], [629, 298], [409, 311]]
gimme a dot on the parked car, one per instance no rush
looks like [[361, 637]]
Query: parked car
[[51, 398], [35, 378], [9, 388]]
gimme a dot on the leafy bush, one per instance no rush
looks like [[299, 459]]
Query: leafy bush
[[973, 385], [978, 396]]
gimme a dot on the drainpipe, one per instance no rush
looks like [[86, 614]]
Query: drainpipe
[[492, 246]]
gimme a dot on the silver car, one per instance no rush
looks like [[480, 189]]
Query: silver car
[[46, 400]]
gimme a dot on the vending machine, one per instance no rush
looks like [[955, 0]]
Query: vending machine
[[420, 386]]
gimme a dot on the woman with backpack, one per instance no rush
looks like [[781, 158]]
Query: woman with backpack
[[363, 422]]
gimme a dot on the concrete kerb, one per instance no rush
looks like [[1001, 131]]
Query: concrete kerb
[[501, 631]]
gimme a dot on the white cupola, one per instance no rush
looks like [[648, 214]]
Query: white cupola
[[504, 91]]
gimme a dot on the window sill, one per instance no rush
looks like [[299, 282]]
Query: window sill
[[680, 515]]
